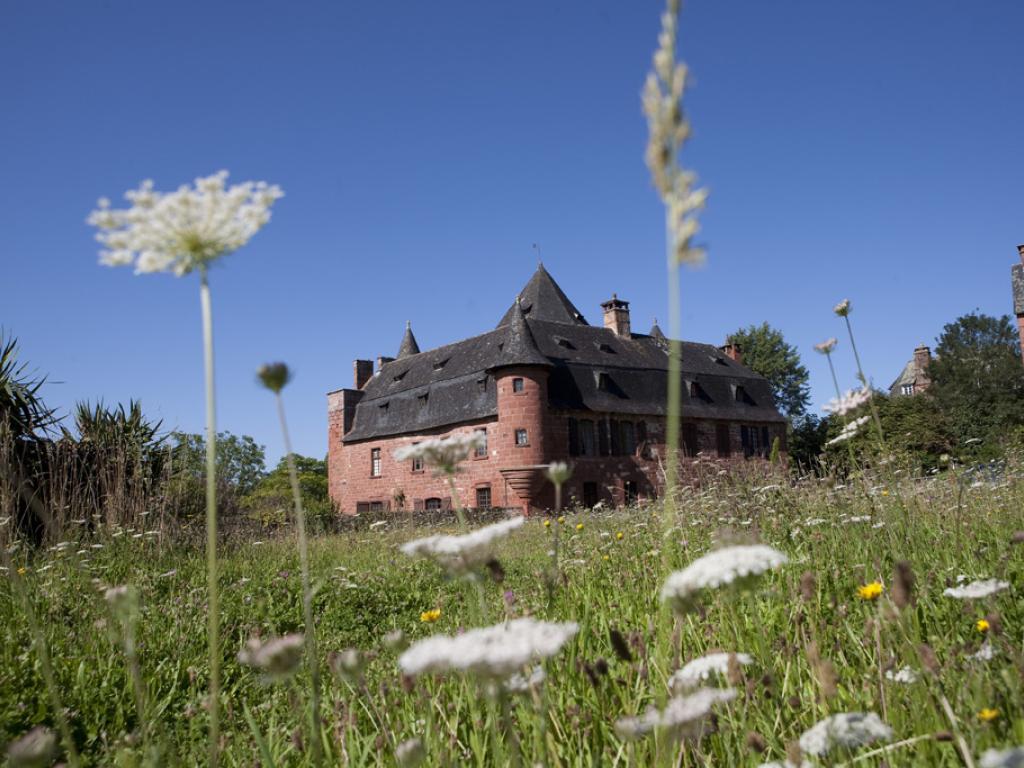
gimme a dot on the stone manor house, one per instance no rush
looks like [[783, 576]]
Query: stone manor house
[[543, 386]]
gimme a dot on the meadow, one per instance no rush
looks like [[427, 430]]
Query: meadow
[[821, 639]]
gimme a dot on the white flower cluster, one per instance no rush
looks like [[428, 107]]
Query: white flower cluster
[[1003, 758], [846, 729], [848, 401], [977, 589], [463, 552], [180, 231], [827, 346], [668, 130], [683, 716], [278, 659], [442, 453], [518, 683], [842, 308], [699, 670], [905, 675], [722, 567], [38, 747], [490, 652], [849, 430]]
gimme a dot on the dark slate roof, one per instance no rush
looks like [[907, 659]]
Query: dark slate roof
[[591, 369], [1017, 277], [542, 299], [409, 345]]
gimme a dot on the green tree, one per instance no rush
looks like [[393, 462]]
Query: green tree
[[241, 461], [978, 380], [766, 352], [271, 500], [807, 440]]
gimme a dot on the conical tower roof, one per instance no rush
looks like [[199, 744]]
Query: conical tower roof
[[656, 331], [519, 346], [409, 345], [542, 299]]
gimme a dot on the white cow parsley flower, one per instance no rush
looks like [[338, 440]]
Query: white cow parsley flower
[[977, 589], [278, 659], [987, 652], [683, 716], [463, 552], [849, 430], [842, 308], [410, 753], [519, 683], [699, 670], [443, 453], [846, 729], [848, 401], [826, 346], [729, 565], [1003, 758], [904, 675], [490, 652], [38, 747], [183, 230]]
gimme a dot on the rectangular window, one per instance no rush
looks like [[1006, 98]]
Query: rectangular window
[[628, 438], [574, 436], [589, 494], [362, 507], [432, 505], [741, 394], [480, 451], [722, 440], [376, 506], [417, 462], [517, 385], [521, 437], [629, 491], [691, 442], [483, 497], [615, 432], [587, 447], [375, 462], [908, 389], [603, 446]]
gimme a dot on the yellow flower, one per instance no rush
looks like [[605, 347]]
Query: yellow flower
[[982, 625], [429, 617], [988, 714], [619, 535], [606, 557], [579, 526], [885, 491], [870, 591], [561, 520], [22, 571], [547, 523]]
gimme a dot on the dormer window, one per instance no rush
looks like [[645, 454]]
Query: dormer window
[[719, 360], [565, 343], [384, 406], [607, 348], [740, 393], [697, 391], [481, 384], [423, 398], [440, 364], [907, 389], [604, 382], [399, 376]]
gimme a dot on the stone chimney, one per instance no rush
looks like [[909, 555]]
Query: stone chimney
[[382, 361], [362, 372], [1017, 280], [616, 316], [732, 350], [922, 359]]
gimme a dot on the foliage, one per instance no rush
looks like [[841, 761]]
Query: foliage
[[240, 467], [978, 379], [271, 500], [22, 410], [766, 352], [807, 440]]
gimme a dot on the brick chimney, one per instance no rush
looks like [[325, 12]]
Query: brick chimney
[[616, 316], [382, 361], [732, 350], [1017, 275], [362, 372], [922, 359]]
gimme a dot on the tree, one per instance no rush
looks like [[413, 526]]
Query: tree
[[978, 380], [241, 462], [766, 352], [271, 500], [807, 440]]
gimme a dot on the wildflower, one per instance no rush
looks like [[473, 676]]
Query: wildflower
[[982, 625], [683, 716], [274, 376], [491, 652], [395, 640], [184, 230], [849, 430], [905, 675], [700, 669], [38, 747], [848, 401], [547, 523], [120, 599], [1003, 758], [558, 472], [842, 308], [870, 591], [987, 652], [579, 526], [429, 617], [988, 714], [463, 552], [846, 729], [277, 659], [410, 753], [729, 565], [977, 589], [22, 571], [561, 520], [518, 683], [826, 346], [619, 536], [348, 664], [443, 453]]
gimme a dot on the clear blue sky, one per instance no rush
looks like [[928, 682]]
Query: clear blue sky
[[870, 150]]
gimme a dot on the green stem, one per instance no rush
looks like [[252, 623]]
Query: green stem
[[213, 616], [864, 383], [307, 591]]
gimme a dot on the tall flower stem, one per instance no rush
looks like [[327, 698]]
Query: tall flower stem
[[864, 383], [213, 616], [307, 590]]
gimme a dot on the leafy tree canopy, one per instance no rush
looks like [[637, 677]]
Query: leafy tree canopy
[[241, 462], [766, 352]]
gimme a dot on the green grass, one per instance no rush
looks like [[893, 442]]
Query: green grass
[[366, 588]]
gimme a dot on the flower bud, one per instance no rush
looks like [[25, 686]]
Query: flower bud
[[558, 472], [274, 376]]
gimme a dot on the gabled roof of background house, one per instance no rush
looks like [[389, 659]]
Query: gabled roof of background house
[[591, 369]]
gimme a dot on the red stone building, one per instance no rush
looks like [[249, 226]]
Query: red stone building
[[543, 386]]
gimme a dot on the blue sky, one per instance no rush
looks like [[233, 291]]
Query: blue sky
[[869, 150]]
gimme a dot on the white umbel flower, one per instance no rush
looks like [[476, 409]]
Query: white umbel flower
[[850, 400], [278, 659], [35, 749], [849, 430], [699, 670], [491, 652], [684, 716], [905, 675], [977, 589], [443, 453], [722, 567], [463, 552], [183, 230], [519, 683], [846, 729], [1003, 758]]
